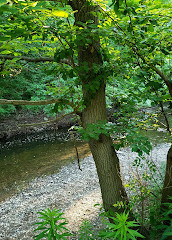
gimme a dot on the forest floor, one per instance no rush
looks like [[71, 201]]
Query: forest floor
[[73, 191]]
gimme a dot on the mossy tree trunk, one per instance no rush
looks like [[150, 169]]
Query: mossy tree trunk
[[93, 85]]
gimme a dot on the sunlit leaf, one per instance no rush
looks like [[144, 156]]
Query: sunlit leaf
[[60, 13]]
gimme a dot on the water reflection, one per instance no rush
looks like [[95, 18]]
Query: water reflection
[[19, 165]]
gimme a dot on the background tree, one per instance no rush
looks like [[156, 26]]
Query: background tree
[[148, 37]]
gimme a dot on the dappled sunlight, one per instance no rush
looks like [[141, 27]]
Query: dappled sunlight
[[83, 209]]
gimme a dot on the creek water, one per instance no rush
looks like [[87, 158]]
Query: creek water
[[26, 158], [22, 160], [30, 158]]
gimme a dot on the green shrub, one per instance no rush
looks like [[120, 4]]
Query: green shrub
[[86, 231], [52, 225], [121, 229], [167, 229]]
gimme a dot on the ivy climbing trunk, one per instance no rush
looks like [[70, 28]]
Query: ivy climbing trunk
[[93, 85]]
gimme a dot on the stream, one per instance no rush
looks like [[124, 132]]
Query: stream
[[22, 160], [42, 171]]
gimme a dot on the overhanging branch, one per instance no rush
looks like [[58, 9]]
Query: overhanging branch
[[23, 102], [155, 69], [35, 60], [164, 77], [28, 59]]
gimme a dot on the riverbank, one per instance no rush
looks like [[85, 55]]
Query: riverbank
[[72, 190], [23, 123]]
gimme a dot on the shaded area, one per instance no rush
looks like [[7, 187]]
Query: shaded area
[[23, 163]]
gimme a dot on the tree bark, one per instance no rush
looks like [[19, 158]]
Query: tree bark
[[108, 169], [105, 157], [167, 188]]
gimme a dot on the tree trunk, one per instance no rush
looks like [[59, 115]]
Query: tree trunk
[[105, 157], [107, 164], [167, 188]]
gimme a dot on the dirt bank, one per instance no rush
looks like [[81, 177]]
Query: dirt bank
[[10, 126]]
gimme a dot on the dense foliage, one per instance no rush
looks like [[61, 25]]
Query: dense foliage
[[135, 38]]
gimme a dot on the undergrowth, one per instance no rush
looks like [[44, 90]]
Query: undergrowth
[[53, 226], [152, 218]]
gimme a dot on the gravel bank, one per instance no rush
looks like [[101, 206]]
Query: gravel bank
[[72, 190]]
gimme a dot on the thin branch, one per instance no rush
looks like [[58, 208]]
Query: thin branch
[[35, 60], [154, 68], [28, 59], [131, 25], [67, 17], [76, 150], [165, 117], [164, 77], [54, 31], [41, 123], [23, 102], [160, 104]]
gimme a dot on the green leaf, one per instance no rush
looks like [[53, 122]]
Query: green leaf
[[59, 13], [6, 52], [135, 233], [165, 51], [2, 2], [41, 235]]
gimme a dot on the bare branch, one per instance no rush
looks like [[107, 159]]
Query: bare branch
[[164, 77], [41, 123], [23, 102], [28, 59], [35, 60]]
